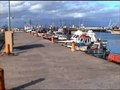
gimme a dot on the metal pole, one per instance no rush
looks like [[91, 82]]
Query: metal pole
[[2, 83], [9, 24], [119, 16]]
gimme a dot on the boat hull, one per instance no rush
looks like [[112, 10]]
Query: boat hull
[[115, 32]]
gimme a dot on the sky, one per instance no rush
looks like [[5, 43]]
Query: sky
[[89, 13]]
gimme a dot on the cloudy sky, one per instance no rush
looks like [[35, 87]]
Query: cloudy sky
[[90, 13]]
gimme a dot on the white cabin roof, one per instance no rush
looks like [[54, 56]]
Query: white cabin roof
[[78, 32]]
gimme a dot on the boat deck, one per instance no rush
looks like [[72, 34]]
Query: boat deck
[[39, 64]]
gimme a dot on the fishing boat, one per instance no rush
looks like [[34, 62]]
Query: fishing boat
[[28, 28], [115, 31], [81, 41], [78, 33], [62, 37], [89, 33], [93, 36], [98, 49]]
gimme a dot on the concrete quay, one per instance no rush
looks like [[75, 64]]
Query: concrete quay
[[39, 64]]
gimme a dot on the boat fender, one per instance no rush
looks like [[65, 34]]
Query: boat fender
[[114, 58]]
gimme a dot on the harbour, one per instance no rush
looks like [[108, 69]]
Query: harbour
[[59, 45], [49, 56], [38, 65]]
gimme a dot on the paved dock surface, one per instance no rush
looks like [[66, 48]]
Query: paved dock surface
[[39, 64]]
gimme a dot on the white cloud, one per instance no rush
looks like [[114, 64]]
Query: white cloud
[[53, 11], [74, 15], [16, 3], [36, 8], [27, 3], [65, 9], [3, 7], [77, 15], [16, 6], [17, 9]]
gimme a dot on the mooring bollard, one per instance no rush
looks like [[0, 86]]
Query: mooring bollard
[[2, 84], [7, 47], [73, 46], [9, 42], [52, 39]]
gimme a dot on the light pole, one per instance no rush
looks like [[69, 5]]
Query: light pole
[[9, 24], [119, 16]]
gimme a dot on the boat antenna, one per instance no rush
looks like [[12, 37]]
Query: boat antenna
[[30, 21]]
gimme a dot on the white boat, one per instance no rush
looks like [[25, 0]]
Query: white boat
[[62, 37], [28, 28], [109, 31], [99, 49], [115, 32], [93, 36], [89, 33], [82, 39]]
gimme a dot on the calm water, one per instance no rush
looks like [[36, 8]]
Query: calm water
[[113, 41]]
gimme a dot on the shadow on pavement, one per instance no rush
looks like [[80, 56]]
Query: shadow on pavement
[[24, 47], [21, 87]]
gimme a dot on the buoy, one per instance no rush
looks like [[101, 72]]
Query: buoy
[[114, 58]]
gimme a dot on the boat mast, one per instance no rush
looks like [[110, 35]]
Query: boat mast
[[118, 20], [30, 21], [109, 25], [79, 23]]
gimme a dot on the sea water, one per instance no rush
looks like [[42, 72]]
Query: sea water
[[113, 41]]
